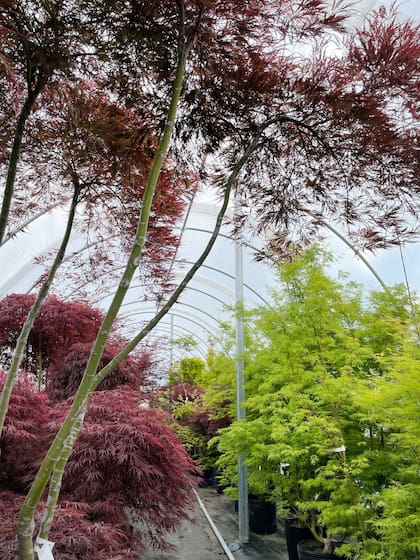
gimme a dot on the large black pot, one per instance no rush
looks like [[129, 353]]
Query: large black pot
[[312, 550], [209, 477], [294, 534], [262, 516]]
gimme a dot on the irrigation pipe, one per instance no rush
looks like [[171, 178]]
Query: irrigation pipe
[[214, 528]]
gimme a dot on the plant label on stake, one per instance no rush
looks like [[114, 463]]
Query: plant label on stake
[[43, 548], [340, 449]]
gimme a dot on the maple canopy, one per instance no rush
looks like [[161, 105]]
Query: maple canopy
[[60, 342], [58, 326], [334, 110], [128, 107]]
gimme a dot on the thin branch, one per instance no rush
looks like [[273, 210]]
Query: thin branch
[[14, 156], [413, 310], [183, 284], [26, 329]]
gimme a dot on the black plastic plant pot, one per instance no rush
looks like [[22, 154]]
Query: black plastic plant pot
[[312, 550], [209, 477], [262, 517], [294, 534]]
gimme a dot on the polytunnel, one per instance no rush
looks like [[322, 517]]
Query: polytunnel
[[280, 132], [198, 312], [209, 299]]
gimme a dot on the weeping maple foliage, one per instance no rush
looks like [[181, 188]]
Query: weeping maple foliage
[[341, 143], [128, 482], [127, 455], [22, 443], [85, 139], [58, 326], [74, 533], [86, 134], [62, 335], [341, 140], [64, 378], [39, 42]]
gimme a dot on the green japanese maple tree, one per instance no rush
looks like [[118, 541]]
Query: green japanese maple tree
[[312, 135], [321, 436]]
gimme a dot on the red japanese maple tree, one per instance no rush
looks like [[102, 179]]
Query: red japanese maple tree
[[128, 455], [138, 458], [101, 152], [127, 459], [85, 132], [311, 135], [64, 377], [22, 444], [58, 326]]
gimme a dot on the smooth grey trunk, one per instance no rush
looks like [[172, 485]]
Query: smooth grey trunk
[[57, 477]]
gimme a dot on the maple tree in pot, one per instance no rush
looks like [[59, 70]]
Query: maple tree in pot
[[128, 456], [128, 469], [75, 535]]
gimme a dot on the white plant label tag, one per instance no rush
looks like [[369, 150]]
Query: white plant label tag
[[43, 548], [340, 449]]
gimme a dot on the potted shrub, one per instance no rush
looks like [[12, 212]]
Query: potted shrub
[[198, 418], [313, 405], [232, 442]]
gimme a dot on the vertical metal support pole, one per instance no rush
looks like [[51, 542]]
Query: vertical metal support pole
[[171, 358], [171, 339], [240, 393]]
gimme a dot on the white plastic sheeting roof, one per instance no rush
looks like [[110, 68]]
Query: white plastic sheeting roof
[[202, 307], [197, 313]]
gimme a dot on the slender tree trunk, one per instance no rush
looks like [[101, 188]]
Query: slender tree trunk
[[26, 329], [56, 479], [14, 157], [183, 284], [71, 425], [59, 465], [55, 487], [39, 363]]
